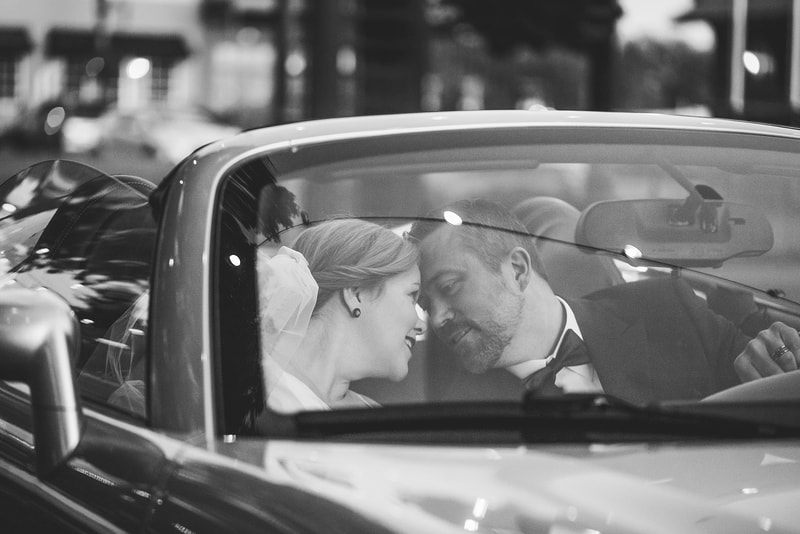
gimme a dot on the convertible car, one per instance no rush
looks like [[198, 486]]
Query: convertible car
[[134, 370]]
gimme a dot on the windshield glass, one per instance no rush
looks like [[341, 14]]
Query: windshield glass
[[455, 265], [88, 237]]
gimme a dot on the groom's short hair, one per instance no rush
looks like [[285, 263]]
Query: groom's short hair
[[488, 229]]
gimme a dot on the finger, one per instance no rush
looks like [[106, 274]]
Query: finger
[[783, 345], [790, 361], [783, 358], [766, 366], [745, 370], [759, 352]]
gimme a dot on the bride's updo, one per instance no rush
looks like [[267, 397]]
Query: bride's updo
[[344, 253]]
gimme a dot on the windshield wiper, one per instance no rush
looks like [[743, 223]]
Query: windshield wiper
[[570, 418], [607, 414]]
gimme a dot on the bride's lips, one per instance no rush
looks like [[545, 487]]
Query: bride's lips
[[411, 341]]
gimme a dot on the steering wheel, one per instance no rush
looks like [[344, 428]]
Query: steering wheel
[[785, 386]]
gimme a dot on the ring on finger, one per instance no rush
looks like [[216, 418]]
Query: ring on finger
[[780, 351]]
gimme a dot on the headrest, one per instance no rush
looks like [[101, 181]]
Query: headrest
[[570, 272], [548, 217]]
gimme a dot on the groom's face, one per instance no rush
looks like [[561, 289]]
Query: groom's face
[[470, 305]]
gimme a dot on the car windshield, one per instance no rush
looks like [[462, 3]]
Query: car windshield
[[665, 251]]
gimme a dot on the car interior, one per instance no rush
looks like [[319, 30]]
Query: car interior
[[582, 245]]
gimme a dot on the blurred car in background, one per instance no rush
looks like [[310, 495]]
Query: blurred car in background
[[55, 124], [81, 134], [160, 132], [134, 385]]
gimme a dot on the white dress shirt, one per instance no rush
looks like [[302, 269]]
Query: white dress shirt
[[576, 379]]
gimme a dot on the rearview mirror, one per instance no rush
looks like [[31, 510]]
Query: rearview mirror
[[674, 231]]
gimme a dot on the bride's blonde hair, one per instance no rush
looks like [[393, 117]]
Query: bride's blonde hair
[[344, 253]]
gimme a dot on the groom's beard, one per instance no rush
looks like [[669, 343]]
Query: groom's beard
[[485, 343]]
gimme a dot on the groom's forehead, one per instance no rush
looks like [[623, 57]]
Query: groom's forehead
[[443, 251], [440, 243]]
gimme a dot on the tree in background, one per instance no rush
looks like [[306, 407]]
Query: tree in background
[[585, 26], [663, 75]]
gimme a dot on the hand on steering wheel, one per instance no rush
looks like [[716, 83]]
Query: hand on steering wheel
[[773, 351]]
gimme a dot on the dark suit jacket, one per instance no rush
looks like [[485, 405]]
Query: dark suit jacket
[[656, 340]]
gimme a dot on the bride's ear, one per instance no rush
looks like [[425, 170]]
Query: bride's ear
[[351, 297]]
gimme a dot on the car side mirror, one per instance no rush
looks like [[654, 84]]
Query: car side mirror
[[38, 340], [693, 233]]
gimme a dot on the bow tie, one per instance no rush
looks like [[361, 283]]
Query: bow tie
[[571, 352]]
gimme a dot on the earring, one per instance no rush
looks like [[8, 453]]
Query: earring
[[356, 312]]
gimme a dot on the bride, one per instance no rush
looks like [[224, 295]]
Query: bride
[[338, 306]]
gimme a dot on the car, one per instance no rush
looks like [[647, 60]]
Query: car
[[134, 369], [163, 132], [61, 124], [81, 134]]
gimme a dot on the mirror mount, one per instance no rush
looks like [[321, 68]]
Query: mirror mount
[[702, 205], [38, 341]]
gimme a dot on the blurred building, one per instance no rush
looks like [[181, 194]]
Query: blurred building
[[89, 54], [261, 62], [254, 62], [327, 58], [757, 61]]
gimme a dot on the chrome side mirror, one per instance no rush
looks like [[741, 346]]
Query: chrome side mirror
[[38, 339]]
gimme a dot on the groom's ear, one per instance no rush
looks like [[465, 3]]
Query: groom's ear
[[520, 262]]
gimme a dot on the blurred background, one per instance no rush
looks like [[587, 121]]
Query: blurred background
[[134, 85]]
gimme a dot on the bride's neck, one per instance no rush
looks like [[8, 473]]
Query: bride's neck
[[316, 362]]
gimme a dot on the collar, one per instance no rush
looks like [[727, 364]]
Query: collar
[[523, 369]]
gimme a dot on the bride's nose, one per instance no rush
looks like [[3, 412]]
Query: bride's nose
[[421, 325]]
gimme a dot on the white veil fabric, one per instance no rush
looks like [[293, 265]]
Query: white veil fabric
[[288, 294]]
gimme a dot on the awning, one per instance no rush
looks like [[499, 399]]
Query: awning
[[72, 42], [152, 45], [722, 10], [242, 11], [69, 42], [14, 41]]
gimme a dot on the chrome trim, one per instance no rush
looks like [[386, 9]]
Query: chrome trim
[[38, 339], [206, 355], [82, 515], [327, 130]]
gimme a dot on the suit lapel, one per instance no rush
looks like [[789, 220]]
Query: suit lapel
[[617, 347]]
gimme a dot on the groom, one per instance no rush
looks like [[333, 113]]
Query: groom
[[489, 301]]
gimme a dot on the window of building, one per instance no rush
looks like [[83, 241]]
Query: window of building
[[159, 88], [76, 71], [8, 77]]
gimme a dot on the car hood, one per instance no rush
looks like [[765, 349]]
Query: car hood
[[724, 487]]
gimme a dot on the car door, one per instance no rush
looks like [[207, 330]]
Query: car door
[[84, 239], [105, 486]]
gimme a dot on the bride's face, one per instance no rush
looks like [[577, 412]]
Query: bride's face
[[389, 326]]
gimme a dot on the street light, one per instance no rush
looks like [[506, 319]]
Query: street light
[[137, 68]]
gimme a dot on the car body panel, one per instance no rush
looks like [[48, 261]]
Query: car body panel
[[607, 488], [113, 474], [122, 478]]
